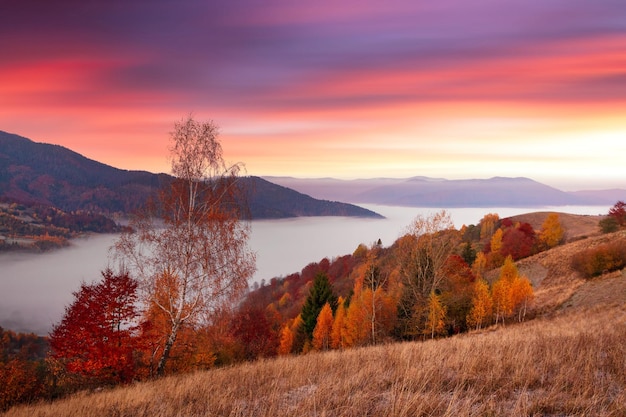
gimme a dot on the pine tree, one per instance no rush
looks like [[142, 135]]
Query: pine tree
[[320, 294]]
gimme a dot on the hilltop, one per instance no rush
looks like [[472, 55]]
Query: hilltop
[[576, 226]]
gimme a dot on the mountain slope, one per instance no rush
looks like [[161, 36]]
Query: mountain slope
[[56, 176], [52, 175]]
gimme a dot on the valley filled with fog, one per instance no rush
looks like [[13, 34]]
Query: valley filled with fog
[[35, 288]]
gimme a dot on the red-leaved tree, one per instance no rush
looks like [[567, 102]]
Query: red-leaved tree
[[95, 338], [618, 212]]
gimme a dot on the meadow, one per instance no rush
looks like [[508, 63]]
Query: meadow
[[571, 363]]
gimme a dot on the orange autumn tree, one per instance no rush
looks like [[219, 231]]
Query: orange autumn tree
[[286, 340], [339, 324], [323, 329], [356, 329], [371, 314], [480, 265], [291, 336], [372, 287]]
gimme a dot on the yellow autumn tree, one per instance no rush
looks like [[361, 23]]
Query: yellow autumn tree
[[323, 328], [521, 296], [488, 225], [509, 271], [511, 293], [552, 232], [495, 257], [482, 305], [480, 265], [500, 294], [285, 300], [436, 321]]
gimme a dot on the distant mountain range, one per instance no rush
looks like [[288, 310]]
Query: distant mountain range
[[438, 192], [52, 175]]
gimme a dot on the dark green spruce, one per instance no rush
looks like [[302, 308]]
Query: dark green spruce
[[320, 294]]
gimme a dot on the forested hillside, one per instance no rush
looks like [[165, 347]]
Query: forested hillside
[[432, 283], [39, 228], [499, 271]]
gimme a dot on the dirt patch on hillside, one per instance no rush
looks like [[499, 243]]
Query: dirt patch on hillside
[[608, 290]]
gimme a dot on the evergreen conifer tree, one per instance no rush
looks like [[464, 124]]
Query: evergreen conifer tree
[[320, 294]]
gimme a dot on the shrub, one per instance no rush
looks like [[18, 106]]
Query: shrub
[[604, 258], [609, 225]]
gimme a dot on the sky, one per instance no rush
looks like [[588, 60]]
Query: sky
[[346, 89]]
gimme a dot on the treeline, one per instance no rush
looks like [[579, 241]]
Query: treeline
[[429, 283], [39, 227], [24, 374]]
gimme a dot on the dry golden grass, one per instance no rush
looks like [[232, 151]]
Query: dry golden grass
[[571, 364]]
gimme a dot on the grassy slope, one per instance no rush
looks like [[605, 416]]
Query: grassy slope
[[572, 364], [571, 361]]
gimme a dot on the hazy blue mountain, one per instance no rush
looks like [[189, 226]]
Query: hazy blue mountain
[[52, 175], [438, 192]]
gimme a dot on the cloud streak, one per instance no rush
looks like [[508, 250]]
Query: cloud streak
[[300, 89]]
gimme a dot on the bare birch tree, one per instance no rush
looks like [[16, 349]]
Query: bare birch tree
[[423, 252], [189, 248]]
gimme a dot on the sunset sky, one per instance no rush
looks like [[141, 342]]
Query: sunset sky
[[347, 89]]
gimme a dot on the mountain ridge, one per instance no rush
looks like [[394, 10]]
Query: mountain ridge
[[439, 192], [52, 175]]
